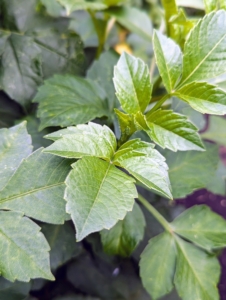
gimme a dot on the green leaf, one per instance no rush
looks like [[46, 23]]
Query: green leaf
[[20, 67], [83, 140], [36, 188], [210, 5], [15, 145], [66, 100], [126, 124], [146, 164], [132, 83], [157, 265], [14, 290], [101, 71], [210, 60], [189, 171], [133, 19], [173, 131], [24, 250], [193, 269], [61, 53], [53, 7], [97, 195], [72, 5], [61, 239], [184, 108], [216, 130], [217, 183], [169, 59], [201, 226], [203, 97], [124, 237]]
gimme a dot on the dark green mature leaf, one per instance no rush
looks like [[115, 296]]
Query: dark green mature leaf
[[157, 265], [20, 67], [132, 83], [216, 130], [133, 19], [123, 238], [66, 100], [189, 171], [203, 97], [15, 145], [72, 5], [197, 273], [24, 250], [101, 71], [13, 290], [61, 239], [83, 140], [97, 195], [201, 226], [217, 183], [146, 164], [173, 131], [9, 111], [61, 53], [210, 60], [169, 59], [36, 188]]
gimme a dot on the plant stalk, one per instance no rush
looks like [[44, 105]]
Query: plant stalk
[[155, 213], [158, 104]]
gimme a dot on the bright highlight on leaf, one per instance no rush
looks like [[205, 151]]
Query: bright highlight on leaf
[[132, 83]]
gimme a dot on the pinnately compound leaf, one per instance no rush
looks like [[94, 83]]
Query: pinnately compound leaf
[[98, 195]]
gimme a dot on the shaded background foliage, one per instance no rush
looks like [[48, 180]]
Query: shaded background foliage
[[39, 40]]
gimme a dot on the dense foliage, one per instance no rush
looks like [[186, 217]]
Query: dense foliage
[[101, 104]]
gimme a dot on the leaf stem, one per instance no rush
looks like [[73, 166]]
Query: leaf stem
[[155, 213], [158, 104]]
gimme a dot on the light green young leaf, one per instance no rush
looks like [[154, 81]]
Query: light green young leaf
[[169, 59], [203, 97], [124, 237], [173, 131], [66, 100], [209, 60], [24, 250], [157, 265], [189, 171], [72, 5], [146, 164], [132, 83], [201, 226], [15, 145], [20, 67], [83, 140], [216, 130], [61, 239], [36, 188], [126, 124], [197, 273], [133, 19], [222, 4], [217, 183], [101, 71], [97, 195]]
